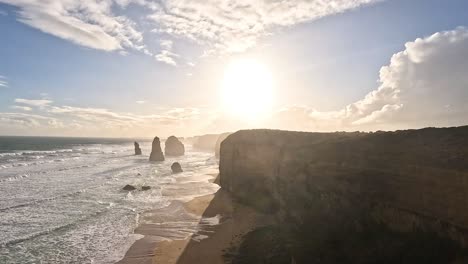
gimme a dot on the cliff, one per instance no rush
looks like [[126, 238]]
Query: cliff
[[342, 183]]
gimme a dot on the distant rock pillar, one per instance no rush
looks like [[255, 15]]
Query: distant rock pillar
[[137, 148], [156, 152], [174, 147]]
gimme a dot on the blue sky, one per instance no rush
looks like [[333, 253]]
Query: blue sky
[[141, 64]]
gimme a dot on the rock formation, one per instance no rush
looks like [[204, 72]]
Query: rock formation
[[205, 142], [174, 147], [128, 187], [176, 168], [137, 148], [145, 188], [410, 187], [156, 152]]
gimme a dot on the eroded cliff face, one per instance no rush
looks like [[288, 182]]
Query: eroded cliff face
[[407, 180]]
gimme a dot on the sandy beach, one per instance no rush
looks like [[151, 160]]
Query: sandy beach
[[235, 220]]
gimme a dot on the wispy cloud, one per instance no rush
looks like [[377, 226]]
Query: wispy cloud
[[36, 103], [221, 26], [140, 102], [166, 55], [233, 26], [23, 108], [88, 23], [3, 81]]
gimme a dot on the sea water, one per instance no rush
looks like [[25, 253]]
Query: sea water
[[61, 199]]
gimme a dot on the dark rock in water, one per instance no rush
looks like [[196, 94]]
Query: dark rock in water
[[176, 168], [137, 148], [145, 188], [156, 152], [174, 147], [128, 187]]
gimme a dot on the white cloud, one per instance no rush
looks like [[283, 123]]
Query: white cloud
[[424, 85], [140, 102], [23, 121], [37, 103], [220, 25], [24, 108], [71, 120], [3, 82], [233, 26], [166, 44], [88, 23], [167, 57]]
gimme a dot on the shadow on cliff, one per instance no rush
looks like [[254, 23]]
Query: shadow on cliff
[[334, 236]]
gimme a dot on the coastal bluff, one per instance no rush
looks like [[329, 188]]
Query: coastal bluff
[[334, 185]]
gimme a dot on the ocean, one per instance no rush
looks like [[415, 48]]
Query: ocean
[[61, 199]]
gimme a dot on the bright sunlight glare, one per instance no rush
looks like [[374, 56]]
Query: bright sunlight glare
[[247, 89]]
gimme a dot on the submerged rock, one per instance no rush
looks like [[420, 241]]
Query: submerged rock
[[128, 187], [174, 147], [156, 152], [145, 188], [137, 148], [176, 168]]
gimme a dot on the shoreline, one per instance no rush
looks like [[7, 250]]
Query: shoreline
[[209, 244]]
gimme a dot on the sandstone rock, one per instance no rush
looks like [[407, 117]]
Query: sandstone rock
[[128, 187], [176, 168], [145, 188], [137, 148], [156, 152], [174, 147]]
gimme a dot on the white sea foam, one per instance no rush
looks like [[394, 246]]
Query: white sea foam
[[67, 206]]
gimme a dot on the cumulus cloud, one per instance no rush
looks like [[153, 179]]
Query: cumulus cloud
[[88, 23], [234, 26], [424, 85]]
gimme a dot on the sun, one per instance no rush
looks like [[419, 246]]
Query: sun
[[247, 89]]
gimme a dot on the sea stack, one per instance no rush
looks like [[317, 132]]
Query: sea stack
[[176, 168], [174, 147], [156, 152], [137, 148]]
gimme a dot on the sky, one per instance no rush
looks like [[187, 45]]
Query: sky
[[139, 68]]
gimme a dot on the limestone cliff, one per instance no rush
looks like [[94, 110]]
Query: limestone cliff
[[406, 180]]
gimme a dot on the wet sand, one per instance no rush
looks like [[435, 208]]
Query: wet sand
[[235, 221]]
